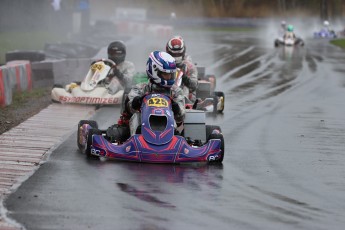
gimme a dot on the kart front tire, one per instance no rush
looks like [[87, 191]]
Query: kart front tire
[[219, 96], [92, 131], [276, 43], [210, 135], [92, 123]]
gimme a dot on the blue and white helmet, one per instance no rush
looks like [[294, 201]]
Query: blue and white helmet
[[161, 62]]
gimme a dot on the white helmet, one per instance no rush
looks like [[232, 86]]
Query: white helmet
[[283, 23], [326, 23]]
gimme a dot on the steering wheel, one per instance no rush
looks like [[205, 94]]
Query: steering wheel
[[109, 62]]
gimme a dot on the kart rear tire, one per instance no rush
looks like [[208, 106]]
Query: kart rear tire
[[276, 43], [92, 131], [210, 128], [210, 135], [218, 94], [92, 123]]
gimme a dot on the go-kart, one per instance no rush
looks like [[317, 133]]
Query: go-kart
[[208, 99], [325, 33], [156, 140], [288, 40], [92, 90]]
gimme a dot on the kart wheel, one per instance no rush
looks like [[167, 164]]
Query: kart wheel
[[93, 124], [220, 96], [118, 133], [92, 131], [276, 43], [210, 128], [217, 135]]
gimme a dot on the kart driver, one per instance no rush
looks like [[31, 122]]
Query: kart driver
[[283, 27], [327, 27], [289, 33], [120, 76], [177, 48], [160, 70]]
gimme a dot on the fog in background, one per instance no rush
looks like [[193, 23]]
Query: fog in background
[[78, 20]]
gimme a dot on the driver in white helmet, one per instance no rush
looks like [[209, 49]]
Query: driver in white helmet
[[283, 27]]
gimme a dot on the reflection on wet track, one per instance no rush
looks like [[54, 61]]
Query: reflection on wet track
[[284, 158]]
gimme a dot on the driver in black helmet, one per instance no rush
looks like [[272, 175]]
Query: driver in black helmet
[[121, 75]]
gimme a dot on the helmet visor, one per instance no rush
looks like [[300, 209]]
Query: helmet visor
[[166, 76]]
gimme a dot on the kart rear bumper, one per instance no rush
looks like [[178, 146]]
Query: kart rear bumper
[[99, 95]]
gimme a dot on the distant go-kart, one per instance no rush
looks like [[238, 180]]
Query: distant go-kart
[[208, 99], [325, 33], [156, 140], [288, 40]]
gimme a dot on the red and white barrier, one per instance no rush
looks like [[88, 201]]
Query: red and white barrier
[[20, 72], [2, 88], [5, 87], [14, 76]]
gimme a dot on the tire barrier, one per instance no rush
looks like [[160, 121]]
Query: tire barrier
[[20, 75], [64, 50], [30, 55]]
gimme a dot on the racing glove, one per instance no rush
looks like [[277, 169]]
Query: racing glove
[[118, 74], [136, 103], [175, 107], [185, 78]]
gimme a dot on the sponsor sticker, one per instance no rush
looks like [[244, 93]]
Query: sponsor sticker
[[97, 66]]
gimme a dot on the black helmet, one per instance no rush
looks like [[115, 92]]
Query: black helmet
[[117, 51]]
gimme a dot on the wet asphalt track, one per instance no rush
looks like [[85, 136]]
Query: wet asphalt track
[[284, 165]]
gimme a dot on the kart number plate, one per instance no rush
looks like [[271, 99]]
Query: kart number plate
[[98, 67], [157, 102]]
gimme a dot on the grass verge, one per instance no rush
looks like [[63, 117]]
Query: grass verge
[[34, 40], [20, 98], [339, 42]]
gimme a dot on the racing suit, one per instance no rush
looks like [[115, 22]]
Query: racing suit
[[120, 77], [289, 35], [189, 78], [141, 89]]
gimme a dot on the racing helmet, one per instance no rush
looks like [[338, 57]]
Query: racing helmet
[[159, 64], [290, 28], [326, 23], [117, 51], [283, 23], [176, 48]]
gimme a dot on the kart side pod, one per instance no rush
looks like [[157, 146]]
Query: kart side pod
[[194, 125]]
